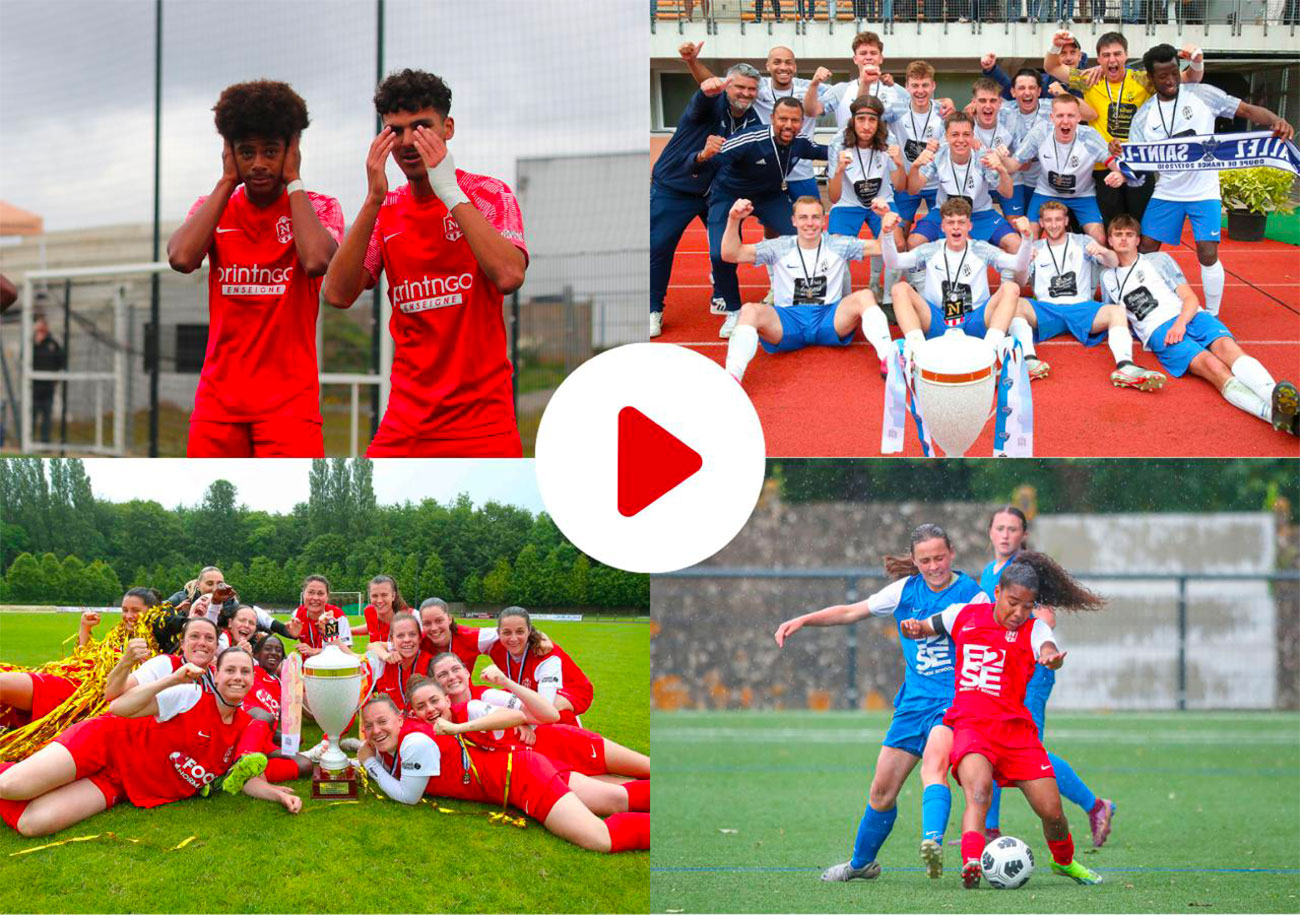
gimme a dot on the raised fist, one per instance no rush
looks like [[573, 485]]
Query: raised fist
[[89, 619], [741, 209], [136, 650], [845, 159], [988, 61], [1054, 89], [1021, 225], [895, 153], [712, 146], [880, 206], [821, 75], [1114, 179], [1094, 249], [715, 84], [689, 51], [492, 674], [1063, 37], [888, 221], [1191, 52]]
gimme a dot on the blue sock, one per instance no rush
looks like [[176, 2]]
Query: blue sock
[[936, 804], [1071, 785], [995, 808], [872, 833]]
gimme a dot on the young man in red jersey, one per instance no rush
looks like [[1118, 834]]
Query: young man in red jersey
[[453, 246], [268, 241]]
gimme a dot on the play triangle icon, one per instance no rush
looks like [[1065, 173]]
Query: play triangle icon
[[651, 461]]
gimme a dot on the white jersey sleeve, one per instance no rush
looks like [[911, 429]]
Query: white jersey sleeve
[[175, 700], [500, 698], [1168, 269], [155, 668], [264, 619], [550, 678], [487, 637], [1027, 151], [420, 762], [345, 631], [948, 616], [885, 601], [770, 250], [1220, 103], [1040, 635], [1094, 143], [846, 247]]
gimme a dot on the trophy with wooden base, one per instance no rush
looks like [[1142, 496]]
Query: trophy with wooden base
[[332, 687]]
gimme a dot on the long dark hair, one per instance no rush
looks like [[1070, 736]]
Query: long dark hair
[[881, 140], [905, 566], [1011, 510], [441, 605], [534, 637], [150, 597], [399, 605], [1051, 584]]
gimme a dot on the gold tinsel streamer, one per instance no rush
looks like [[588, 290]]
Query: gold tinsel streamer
[[91, 664], [111, 836], [493, 816]]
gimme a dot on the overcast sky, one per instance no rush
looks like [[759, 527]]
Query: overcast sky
[[528, 78], [277, 485]]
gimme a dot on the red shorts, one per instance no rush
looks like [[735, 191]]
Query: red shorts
[[572, 748], [49, 691], [1012, 747], [264, 438], [535, 785], [89, 741], [502, 445]]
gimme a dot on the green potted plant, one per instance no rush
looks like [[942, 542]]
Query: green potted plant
[[1250, 194]]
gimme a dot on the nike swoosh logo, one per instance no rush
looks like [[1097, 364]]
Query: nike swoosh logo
[[219, 231], [201, 734], [1046, 767], [394, 235]]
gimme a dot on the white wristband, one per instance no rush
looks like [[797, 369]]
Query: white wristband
[[443, 180], [1197, 65], [295, 185]]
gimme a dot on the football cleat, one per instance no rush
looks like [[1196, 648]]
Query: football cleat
[[1077, 872], [842, 873], [1131, 375], [1099, 818], [718, 305], [1038, 369], [250, 765], [656, 323], [1286, 404], [729, 325], [932, 858], [970, 874], [992, 833]]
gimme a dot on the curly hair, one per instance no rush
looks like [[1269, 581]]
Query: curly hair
[[262, 108], [1051, 584], [412, 90], [869, 103]]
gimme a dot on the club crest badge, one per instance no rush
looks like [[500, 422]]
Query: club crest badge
[[284, 230], [451, 228]]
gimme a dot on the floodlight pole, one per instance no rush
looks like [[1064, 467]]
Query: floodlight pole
[[154, 344]]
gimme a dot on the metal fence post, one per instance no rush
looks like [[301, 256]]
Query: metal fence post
[[1182, 643], [851, 597]]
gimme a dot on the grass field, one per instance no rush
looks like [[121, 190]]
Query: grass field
[[251, 856], [752, 806]]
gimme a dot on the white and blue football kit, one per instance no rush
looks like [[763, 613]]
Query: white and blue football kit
[[1066, 172], [956, 286], [869, 175], [972, 181], [1001, 133], [911, 130], [1026, 179], [1064, 283], [801, 181], [806, 288]]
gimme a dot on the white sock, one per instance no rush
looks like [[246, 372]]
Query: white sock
[[1249, 372], [1021, 330], [993, 337], [1212, 284], [875, 328], [741, 348], [1120, 342], [915, 338], [1242, 397]]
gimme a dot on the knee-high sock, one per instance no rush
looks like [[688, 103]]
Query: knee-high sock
[[872, 832], [1071, 785], [1212, 284], [281, 770], [1062, 850], [1120, 342], [1021, 330], [875, 327], [936, 805], [972, 845], [638, 795], [993, 336], [1249, 372], [741, 348], [994, 816], [1242, 397], [628, 831]]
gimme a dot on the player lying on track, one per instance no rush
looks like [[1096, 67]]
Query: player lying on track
[[994, 737]]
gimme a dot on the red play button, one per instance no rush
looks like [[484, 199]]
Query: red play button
[[651, 461]]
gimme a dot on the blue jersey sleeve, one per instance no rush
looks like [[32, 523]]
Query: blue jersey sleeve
[[807, 149]]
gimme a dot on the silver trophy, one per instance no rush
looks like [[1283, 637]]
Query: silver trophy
[[955, 378], [332, 688]]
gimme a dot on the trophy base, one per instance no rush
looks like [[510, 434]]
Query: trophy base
[[334, 785]]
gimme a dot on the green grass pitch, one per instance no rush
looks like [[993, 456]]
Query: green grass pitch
[[377, 856], [753, 805]]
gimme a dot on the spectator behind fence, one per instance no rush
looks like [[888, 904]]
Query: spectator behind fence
[[47, 356]]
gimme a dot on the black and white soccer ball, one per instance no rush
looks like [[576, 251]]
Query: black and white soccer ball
[[1007, 863]]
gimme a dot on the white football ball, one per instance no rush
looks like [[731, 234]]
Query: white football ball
[[1007, 863]]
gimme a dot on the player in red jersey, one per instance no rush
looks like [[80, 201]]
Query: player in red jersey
[[408, 760], [263, 704], [452, 244], [442, 633], [160, 743], [27, 696], [268, 241], [198, 646], [394, 669], [317, 621], [994, 736], [554, 675], [385, 600], [240, 630]]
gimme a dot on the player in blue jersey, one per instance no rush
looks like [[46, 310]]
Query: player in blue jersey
[[1008, 531], [925, 584]]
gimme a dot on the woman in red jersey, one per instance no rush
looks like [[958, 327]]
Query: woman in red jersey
[[408, 760], [994, 736], [263, 704], [268, 241], [442, 633], [554, 675], [385, 600], [317, 621], [394, 669], [198, 646], [241, 629], [162, 742]]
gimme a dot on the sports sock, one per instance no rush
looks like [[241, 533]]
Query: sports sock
[[1021, 330], [638, 795], [1248, 371], [741, 348], [936, 804], [1008, 276], [1072, 787], [972, 845], [1062, 851], [875, 327], [1212, 285], [872, 833], [281, 769], [995, 808], [628, 831], [1120, 342], [994, 337], [915, 338], [1242, 397]]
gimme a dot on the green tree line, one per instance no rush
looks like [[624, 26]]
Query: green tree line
[[59, 544]]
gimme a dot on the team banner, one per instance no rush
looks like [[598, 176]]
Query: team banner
[[1210, 152]]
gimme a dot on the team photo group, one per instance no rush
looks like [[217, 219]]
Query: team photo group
[[1031, 206]]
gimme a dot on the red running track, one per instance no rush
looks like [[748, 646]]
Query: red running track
[[824, 402]]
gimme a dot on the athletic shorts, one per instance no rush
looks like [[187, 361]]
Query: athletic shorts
[[501, 445], [572, 748], [1037, 693], [1076, 320], [807, 325], [1084, 208], [1163, 219], [535, 784], [89, 742], [1012, 747], [907, 204], [1017, 203], [49, 691], [910, 727], [1202, 330], [802, 187], [986, 225], [848, 220], [264, 438], [972, 325]]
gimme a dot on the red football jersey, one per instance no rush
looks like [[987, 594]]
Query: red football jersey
[[467, 643], [994, 664], [261, 357], [265, 693], [546, 675], [311, 631], [395, 677], [376, 629], [451, 373], [450, 780]]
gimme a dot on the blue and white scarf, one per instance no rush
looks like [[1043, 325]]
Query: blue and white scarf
[[1209, 152]]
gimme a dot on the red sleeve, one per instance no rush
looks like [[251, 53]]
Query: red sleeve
[[374, 259], [329, 213], [498, 205], [198, 203]]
